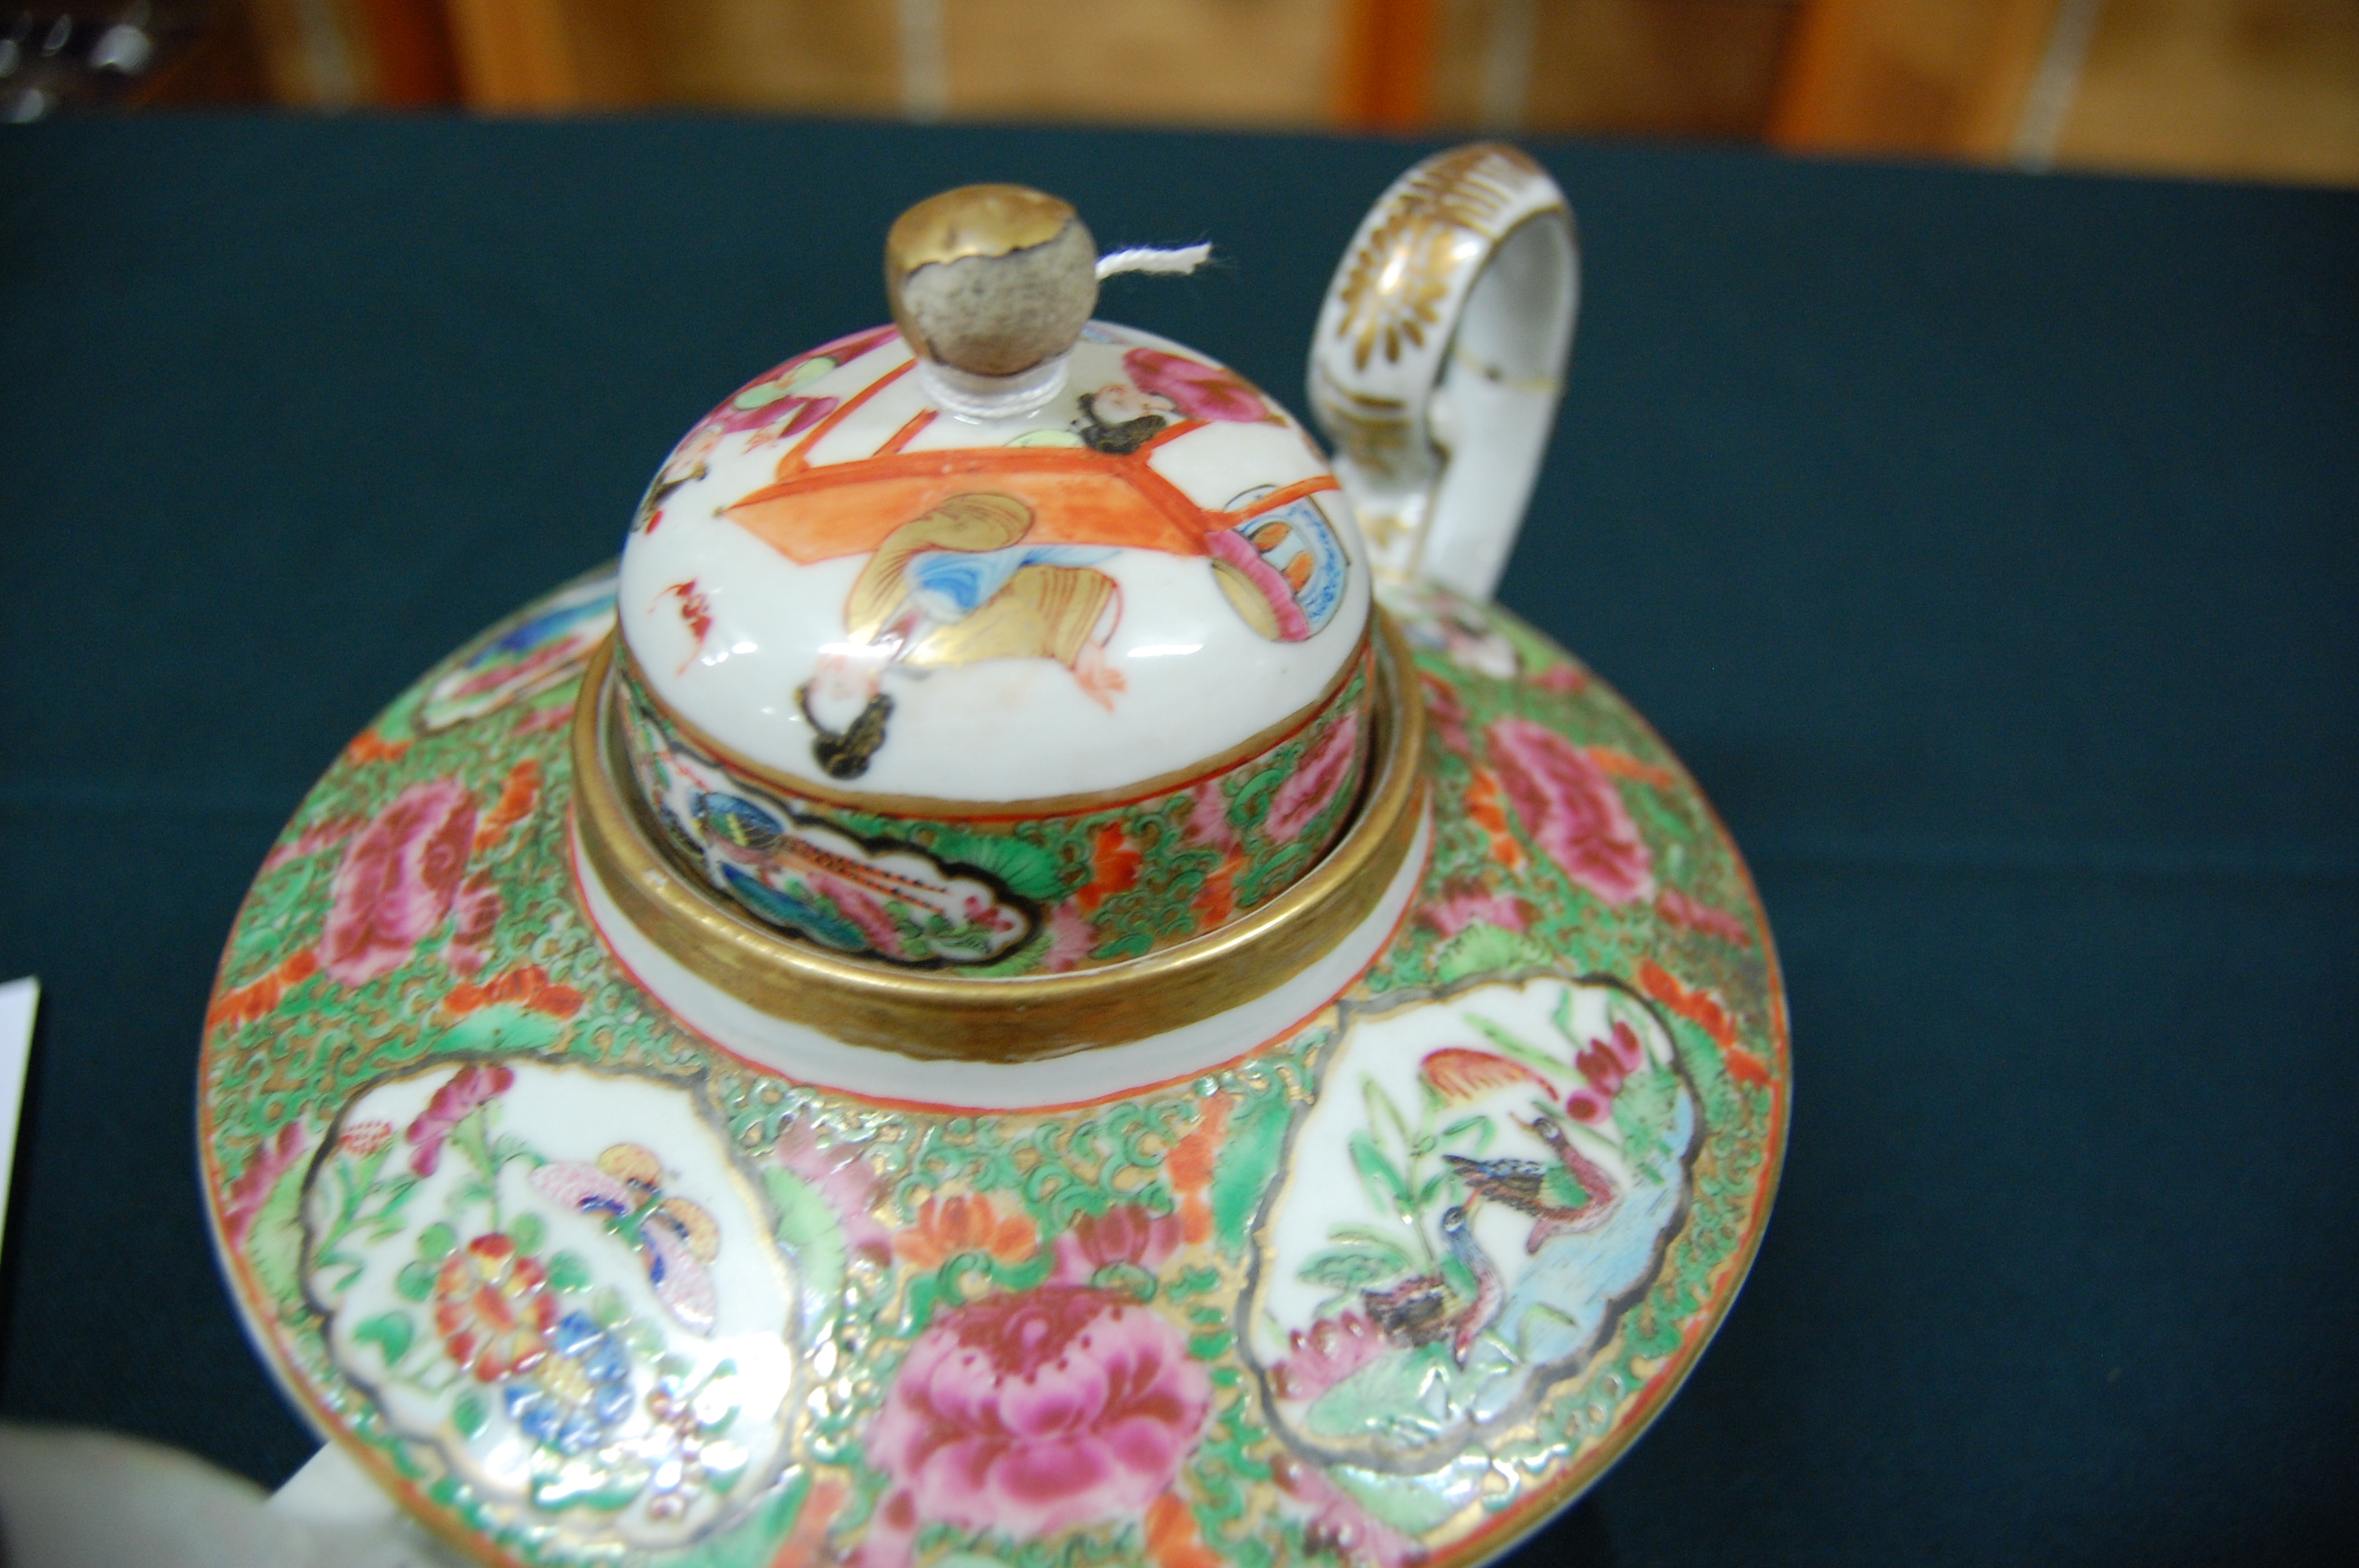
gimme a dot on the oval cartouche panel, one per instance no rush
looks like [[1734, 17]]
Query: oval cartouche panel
[[1518, 1158], [562, 1281]]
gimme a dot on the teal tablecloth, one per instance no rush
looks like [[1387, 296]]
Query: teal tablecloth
[[1989, 546]]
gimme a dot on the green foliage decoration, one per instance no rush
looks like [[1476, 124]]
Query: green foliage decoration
[[322, 1041]]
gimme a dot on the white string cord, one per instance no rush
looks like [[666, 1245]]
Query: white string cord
[[1151, 259]]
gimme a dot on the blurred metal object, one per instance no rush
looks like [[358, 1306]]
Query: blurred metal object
[[123, 48], [54, 60]]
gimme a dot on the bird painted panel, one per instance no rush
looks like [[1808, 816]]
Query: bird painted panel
[[1519, 1156]]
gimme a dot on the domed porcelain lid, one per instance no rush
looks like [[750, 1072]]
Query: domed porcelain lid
[[1000, 641], [838, 580]]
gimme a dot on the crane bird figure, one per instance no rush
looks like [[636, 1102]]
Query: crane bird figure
[[1456, 1302], [1573, 1195]]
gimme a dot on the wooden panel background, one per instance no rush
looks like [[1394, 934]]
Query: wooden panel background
[[2252, 87]]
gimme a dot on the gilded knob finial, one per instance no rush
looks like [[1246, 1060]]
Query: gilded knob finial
[[992, 280]]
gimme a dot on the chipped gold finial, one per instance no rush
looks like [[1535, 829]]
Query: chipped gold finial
[[993, 280]]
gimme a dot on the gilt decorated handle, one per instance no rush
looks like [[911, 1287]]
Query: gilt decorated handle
[[1439, 359]]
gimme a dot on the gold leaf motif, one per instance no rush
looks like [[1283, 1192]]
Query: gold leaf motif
[[1403, 272], [1383, 444]]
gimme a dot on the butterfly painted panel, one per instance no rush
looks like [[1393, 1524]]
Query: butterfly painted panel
[[563, 1281]]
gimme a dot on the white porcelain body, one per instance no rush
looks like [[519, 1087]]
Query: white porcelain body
[[1438, 360], [728, 628]]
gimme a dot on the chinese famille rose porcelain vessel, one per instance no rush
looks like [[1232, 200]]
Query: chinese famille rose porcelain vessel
[[1035, 979]]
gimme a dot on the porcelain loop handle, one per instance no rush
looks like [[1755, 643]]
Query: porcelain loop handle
[[1439, 360]]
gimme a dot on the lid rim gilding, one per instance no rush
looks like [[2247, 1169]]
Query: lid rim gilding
[[934, 1013]]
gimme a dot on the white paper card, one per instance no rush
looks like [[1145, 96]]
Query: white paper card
[[17, 1000]]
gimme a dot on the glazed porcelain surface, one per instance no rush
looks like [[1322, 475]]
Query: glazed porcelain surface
[[891, 675], [1326, 1119], [1394, 1280], [993, 893], [1438, 360], [1150, 571]]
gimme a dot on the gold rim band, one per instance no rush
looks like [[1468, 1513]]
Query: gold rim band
[[937, 1015], [938, 808]]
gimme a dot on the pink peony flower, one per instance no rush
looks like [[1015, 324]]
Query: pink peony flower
[[1208, 818], [1196, 389], [1071, 938], [556, 716], [842, 1174], [1453, 913], [1337, 1527], [1034, 1413], [1562, 678], [363, 1139], [1323, 1355], [1572, 810], [766, 404], [1448, 714], [1325, 768], [853, 903], [468, 1088], [397, 882], [311, 841], [1606, 1065], [1695, 916], [1126, 1233], [272, 1159], [479, 914]]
